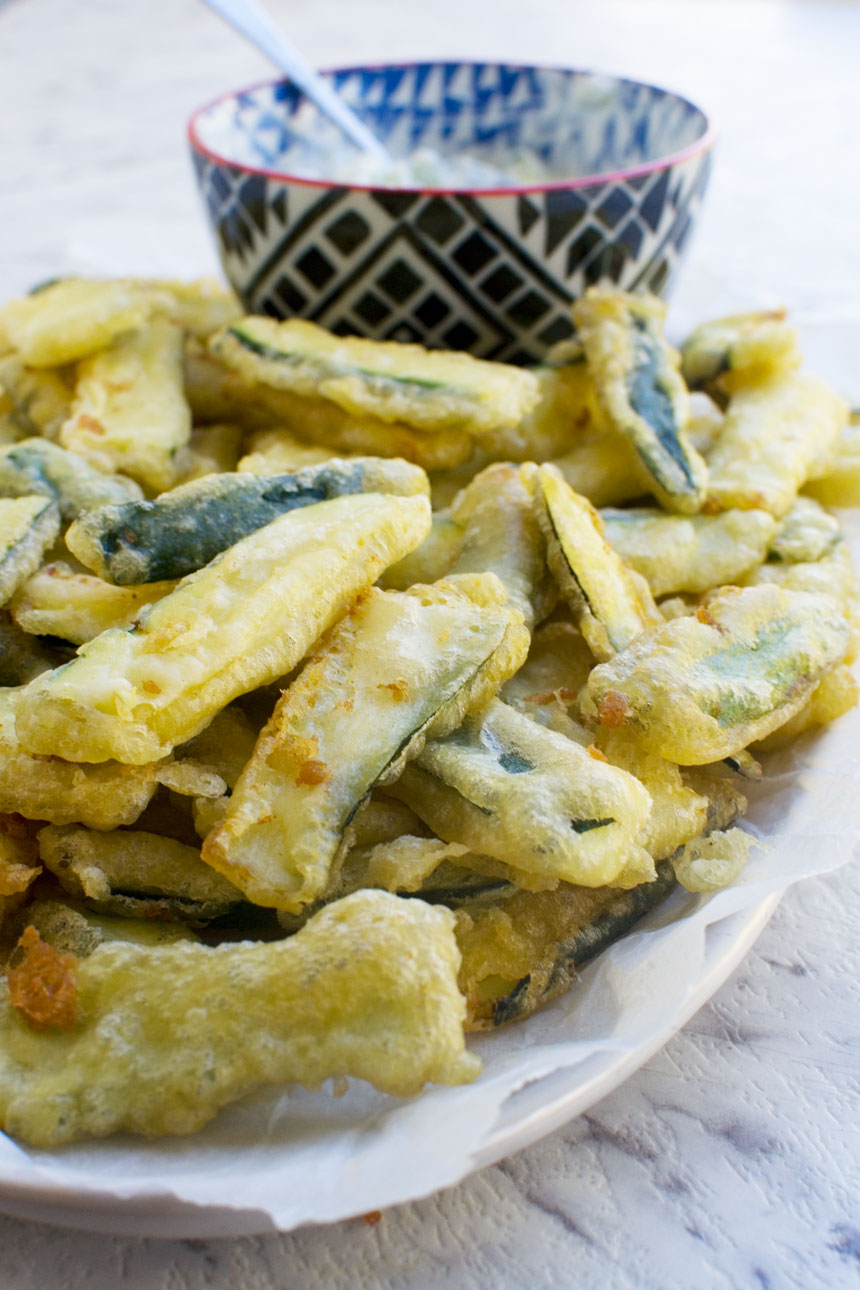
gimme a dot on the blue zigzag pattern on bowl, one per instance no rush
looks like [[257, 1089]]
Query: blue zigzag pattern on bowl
[[491, 274]]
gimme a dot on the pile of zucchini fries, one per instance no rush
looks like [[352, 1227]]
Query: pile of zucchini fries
[[336, 719]]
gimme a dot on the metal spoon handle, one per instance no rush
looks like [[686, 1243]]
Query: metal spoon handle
[[251, 21]]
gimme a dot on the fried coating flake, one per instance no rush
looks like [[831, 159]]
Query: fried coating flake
[[42, 984]]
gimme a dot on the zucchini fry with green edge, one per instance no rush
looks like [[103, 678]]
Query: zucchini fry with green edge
[[401, 666], [367, 988], [243, 621], [744, 349], [501, 533], [56, 601], [702, 688], [836, 693], [40, 397], [39, 466], [641, 392], [428, 389], [522, 949], [70, 926], [72, 318], [805, 533], [129, 413], [181, 531], [28, 526], [136, 874], [689, 552], [611, 609], [506, 787], [775, 437]]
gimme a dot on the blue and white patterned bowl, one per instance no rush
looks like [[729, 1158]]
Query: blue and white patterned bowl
[[488, 270]]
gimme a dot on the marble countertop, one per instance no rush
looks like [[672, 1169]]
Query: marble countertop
[[731, 1158]]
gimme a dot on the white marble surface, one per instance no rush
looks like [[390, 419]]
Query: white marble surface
[[731, 1158]]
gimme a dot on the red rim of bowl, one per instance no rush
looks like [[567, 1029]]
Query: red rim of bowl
[[585, 181]]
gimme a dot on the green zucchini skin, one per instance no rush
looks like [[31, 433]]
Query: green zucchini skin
[[39, 466], [641, 391], [623, 911], [506, 787], [28, 526], [184, 529]]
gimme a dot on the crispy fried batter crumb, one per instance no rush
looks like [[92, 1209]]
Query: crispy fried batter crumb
[[43, 983], [613, 709], [312, 772], [399, 689], [372, 1217]]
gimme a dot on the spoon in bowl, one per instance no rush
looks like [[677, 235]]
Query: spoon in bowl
[[251, 21]]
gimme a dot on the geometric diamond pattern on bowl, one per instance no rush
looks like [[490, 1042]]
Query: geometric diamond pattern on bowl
[[492, 272]]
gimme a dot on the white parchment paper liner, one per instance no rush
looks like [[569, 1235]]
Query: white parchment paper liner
[[303, 1157]]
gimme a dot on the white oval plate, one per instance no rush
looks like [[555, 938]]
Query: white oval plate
[[527, 1115]]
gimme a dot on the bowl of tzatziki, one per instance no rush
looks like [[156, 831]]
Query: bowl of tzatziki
[[506, 191]]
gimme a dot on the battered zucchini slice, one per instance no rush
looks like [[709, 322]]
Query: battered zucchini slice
[[367, 988], [129, 411], [72, 318], [46, 788], [640, 390], [603, 466], [522, 949], [502, 534], [744, 349], [401, 666], [70, 926], [28, 526], [56, 601], [199, 307], [40, 397], [805, 533], [605, 600], [431, 560], [689, 553], [702, 688], [506, 787], [546, 688], [38, 466], [837, 482], [241, 622], [678, 812], [136, 874], [184, 529], [836, 693], [296, 431], [275, 451], [566, 408], [774, 438], [429, 390]]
